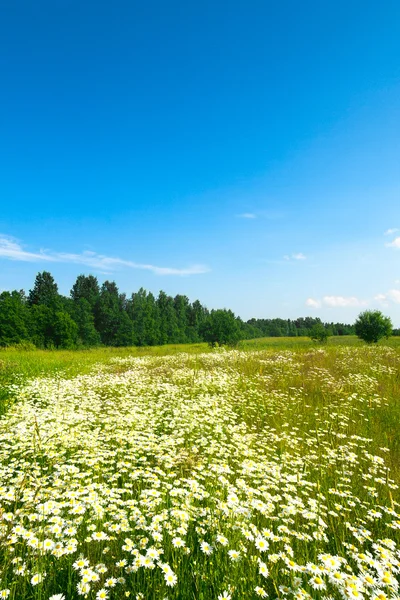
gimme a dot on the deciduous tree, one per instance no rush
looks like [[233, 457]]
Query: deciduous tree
[[372, 325]]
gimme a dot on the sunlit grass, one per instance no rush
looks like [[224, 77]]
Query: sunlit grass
[[17, 364], [288, 343]]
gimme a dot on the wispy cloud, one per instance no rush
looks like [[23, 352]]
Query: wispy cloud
[[392, 295], [269, 215], [394, 244], [299, 256], [11, 249], [352, 301], [335, 302], [247, 216], [312, 303], [391, 231], [296, 256], [382, 299]]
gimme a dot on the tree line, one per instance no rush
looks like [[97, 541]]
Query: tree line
[[95, 315]]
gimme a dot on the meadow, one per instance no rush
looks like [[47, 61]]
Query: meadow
[[179, 473]]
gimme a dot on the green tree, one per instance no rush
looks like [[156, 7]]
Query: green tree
[[136, 309], [319, 333], [143, 312], [41, 325], [111, 319], [169, 331], [14, 318], [153, 321], [372, 325], [276, 329], [221, 327], [87, 287], [123, 330], [65, 331], [197, 314], [83, 317], [44, 291], [181, 305], [51, 321]]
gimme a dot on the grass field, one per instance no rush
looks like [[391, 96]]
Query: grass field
[[185, 473]]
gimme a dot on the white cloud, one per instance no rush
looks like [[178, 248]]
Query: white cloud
[[312, 303], [394, 296], [390, 231], [12, 250], [391, 295], [352, 301], [335, 301], [247, 216], [394, 244], [299, 256], [382, 299]]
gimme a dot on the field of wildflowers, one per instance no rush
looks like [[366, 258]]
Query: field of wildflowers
[[221, 475]]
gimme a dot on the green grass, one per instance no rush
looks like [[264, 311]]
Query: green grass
[[289, 343], [17, 365]]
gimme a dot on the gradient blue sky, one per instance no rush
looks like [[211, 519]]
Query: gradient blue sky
[[243, 153]]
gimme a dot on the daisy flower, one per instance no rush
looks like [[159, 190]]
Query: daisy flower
[[317, 583], [170, 579], [36, 579], [206, 548], [260, 592]]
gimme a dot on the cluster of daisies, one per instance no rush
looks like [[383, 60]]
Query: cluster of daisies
[[219, 476]]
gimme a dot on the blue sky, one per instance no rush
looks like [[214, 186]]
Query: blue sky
[[243, 153]]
